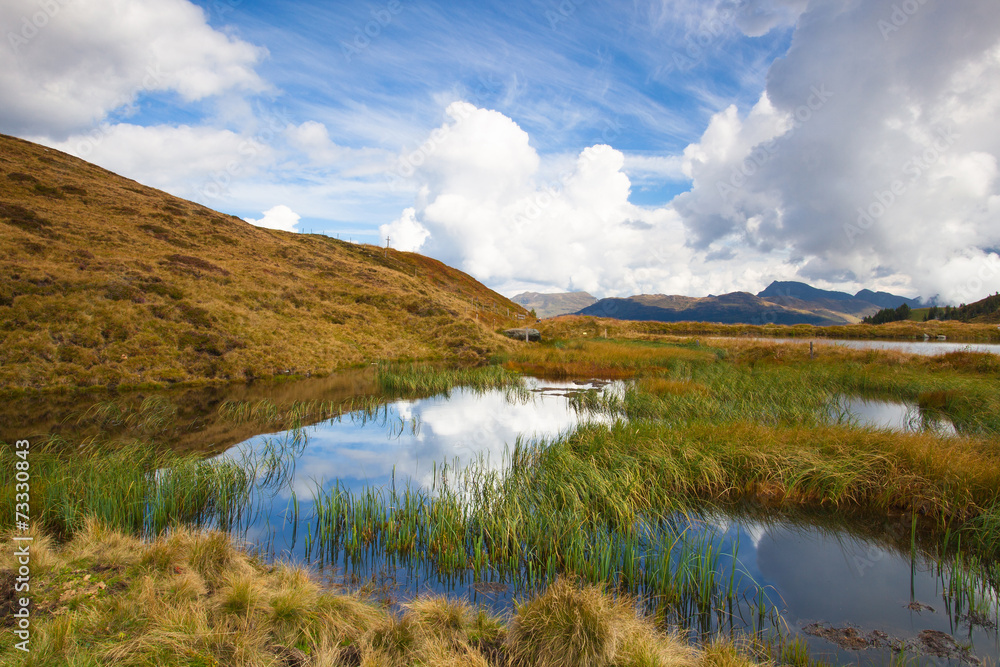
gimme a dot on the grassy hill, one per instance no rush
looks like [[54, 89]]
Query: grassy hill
[[108, 282]]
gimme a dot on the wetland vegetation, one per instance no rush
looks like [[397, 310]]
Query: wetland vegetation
[[692, 429]]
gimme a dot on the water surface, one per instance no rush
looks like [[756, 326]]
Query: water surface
[[923, 347], [829, 573]]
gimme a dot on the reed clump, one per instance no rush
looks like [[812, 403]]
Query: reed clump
[[570, 625], [423, 379], [135, 487]]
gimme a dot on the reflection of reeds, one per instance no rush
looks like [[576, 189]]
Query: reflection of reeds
[[153, 415]]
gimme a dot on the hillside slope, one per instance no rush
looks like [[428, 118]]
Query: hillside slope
[[781, 303], [779, 290], [737, 307], [108, 282]]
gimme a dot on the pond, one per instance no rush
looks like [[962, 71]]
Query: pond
[[354, 488], [850, 592], [923, 347], [886, 414]]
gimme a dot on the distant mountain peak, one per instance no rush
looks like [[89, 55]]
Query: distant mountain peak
[[790, 289], [550, 305], [802, 291]]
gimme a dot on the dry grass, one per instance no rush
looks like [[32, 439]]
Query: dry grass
[[107, 282], [580, 326], [572, 626], [195, 598], [601, 358]]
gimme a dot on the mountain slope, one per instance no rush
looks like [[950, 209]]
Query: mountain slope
[[779, 290], [886, 300], [779, 303], [801, 291], [106, 281], [734, 308], [550, 305]]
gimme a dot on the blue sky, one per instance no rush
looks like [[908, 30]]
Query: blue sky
[[675, 146]]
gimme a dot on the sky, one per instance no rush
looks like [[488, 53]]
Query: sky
[[672, 146]]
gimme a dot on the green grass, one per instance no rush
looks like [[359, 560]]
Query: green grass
[[413, 379], [137, 488], [729, 425]]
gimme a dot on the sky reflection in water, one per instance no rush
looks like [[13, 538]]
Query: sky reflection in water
[[814, 574]]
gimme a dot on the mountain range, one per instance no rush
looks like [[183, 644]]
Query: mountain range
[[782, 302], [550, 305]]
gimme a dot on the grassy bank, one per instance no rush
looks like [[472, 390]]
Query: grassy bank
[[108, 282], [726, 420], [577, 326], [195, 598], [703, 425]]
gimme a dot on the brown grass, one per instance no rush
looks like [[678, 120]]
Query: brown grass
[[599, 358], [113, 283], [577, 326], [195, 598]]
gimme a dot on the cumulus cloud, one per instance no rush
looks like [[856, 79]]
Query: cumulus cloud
[[491, 205], [758, 17], [278, 217], [67, 65], [876, 165], [405, 233], [198, 163]]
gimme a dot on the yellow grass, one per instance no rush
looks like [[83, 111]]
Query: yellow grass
[[599, 358], [108, 282], [196, 598], [577, 326]]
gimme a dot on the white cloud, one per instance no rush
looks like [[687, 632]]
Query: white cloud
[[68, 64], [278, 217], [910, 109], [405, 233], [489, 204], [197, 163]]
